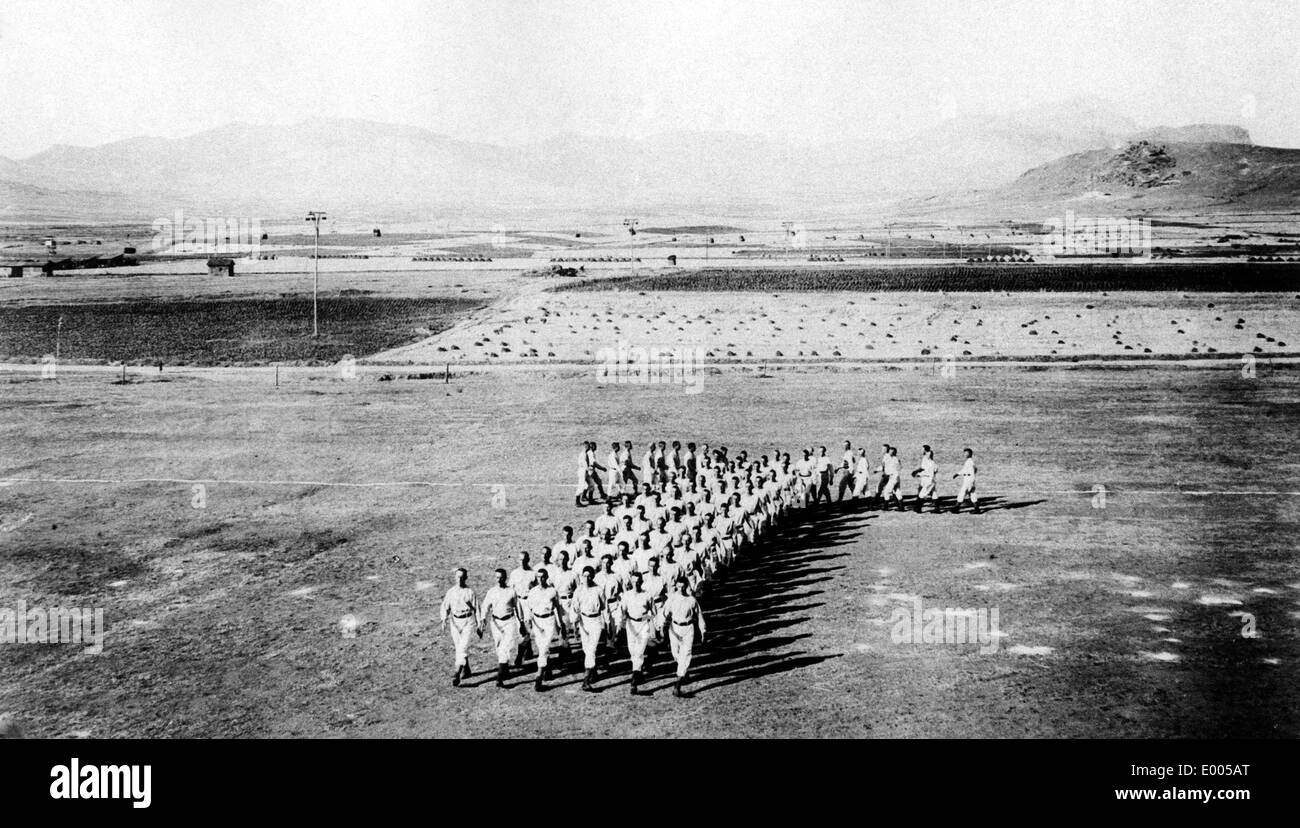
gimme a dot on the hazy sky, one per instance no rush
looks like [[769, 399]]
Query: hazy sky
[[91, 72]]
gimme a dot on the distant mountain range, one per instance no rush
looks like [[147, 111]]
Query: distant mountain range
[[365, 168]]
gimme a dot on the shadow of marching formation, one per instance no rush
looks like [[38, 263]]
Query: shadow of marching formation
[[941, 505], [754, 610]]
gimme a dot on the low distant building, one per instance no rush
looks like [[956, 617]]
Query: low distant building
[[221, 266]]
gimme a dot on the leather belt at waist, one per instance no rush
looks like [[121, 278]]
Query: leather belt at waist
[[543, 615], [589, 615], [684, 623], [636, 617], [502, 617], [466, 615]]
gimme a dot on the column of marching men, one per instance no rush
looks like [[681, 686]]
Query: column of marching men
[[672, 525], [636, 573]]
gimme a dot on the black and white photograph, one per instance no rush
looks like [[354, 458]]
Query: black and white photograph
[[670, 369]]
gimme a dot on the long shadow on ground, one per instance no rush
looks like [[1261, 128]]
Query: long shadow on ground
[[756, 611]]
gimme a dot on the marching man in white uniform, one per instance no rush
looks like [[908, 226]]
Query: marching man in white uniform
[[589, 485], [502, 613], [650, 466], [967, 486], [584, 475], [607, 522], [824, 470], [565, 580], [804, 471], [589, 612], [681, 615], [614, 467], [545, 621], [880, 468], [624, 566], [861, 474], [628, 468], [459, 613], [522, 579], [655, 583], [611, 583], [889, 471], [925, 478], [846, 482], [638, 610]]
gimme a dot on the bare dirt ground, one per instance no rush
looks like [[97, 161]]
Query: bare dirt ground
[[328, 497]]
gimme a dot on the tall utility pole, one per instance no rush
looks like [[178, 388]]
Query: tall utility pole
[[315, 217], [785, 235], [630, 224]]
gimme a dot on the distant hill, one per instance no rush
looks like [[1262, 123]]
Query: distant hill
[[1140, 177], [355, 167], [247, 168], [1176, 175], [27, 202]]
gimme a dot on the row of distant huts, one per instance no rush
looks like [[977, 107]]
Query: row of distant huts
[[217, 265], [52, 266]]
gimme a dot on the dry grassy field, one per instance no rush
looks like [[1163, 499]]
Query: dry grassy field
[[534, 325], [326, 497]]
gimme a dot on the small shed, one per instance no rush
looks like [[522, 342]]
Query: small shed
[[221, 266]]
